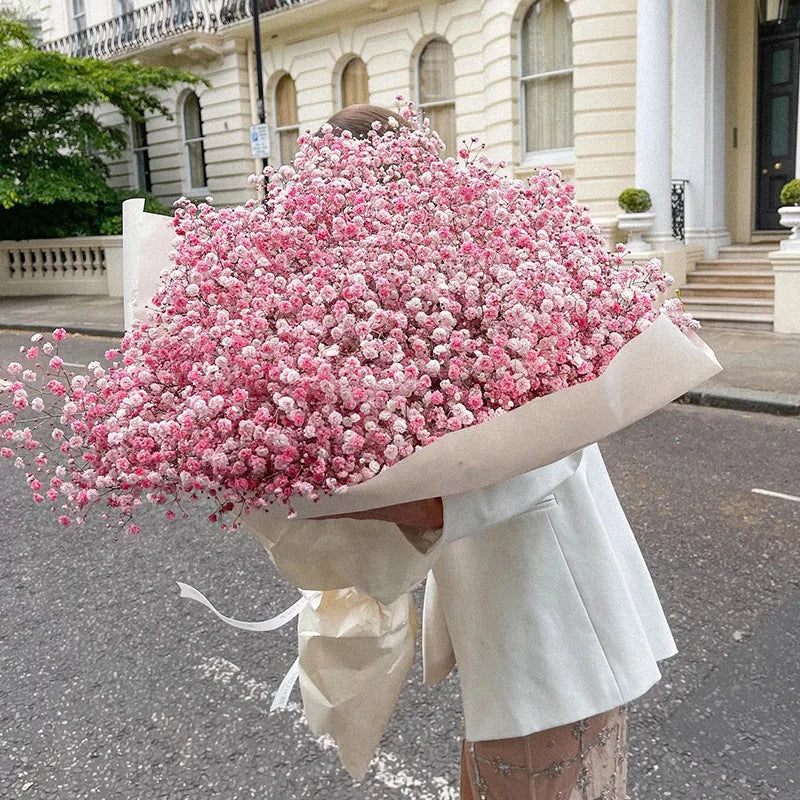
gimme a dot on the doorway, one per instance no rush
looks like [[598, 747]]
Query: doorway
[[778, 77]]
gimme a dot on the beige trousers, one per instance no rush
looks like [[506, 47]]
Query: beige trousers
[[586, 760]]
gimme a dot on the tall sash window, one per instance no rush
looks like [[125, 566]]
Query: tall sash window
[[194, 148], [436, 90], [546, 80], [287, 127], [354, 87]]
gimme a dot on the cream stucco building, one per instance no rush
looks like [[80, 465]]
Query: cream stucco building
[[693, 100]]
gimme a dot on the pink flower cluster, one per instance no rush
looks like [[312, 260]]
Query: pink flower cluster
[[378, 298]]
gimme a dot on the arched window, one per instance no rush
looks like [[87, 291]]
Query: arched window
[[436, 90], [287, 127], [354, 87], [141, 156], [194, 150], [546, 78]]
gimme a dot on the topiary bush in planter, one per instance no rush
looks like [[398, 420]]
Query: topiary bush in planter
[[790, 194], [635, 201]]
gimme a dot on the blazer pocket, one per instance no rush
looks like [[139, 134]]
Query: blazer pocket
[[546, 502]]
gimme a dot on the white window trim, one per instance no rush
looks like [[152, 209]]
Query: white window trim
[[192, 190], [417, 95], [560, 157], [278, 131], [557, 157], [435, 103], [278, 157]]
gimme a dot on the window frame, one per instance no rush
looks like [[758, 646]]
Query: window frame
[[558, 156], [436, 103], [279, 129], [190, 189]]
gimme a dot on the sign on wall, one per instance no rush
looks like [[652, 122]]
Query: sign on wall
[[259, 141]]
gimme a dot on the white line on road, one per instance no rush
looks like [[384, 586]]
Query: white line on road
[[779, 495], [70, 364], [389, 769]]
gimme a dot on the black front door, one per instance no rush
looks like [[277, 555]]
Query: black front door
[[777, 117]]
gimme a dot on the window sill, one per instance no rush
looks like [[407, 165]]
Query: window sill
[[564, 157]]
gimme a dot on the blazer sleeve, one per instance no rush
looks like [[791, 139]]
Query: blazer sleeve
[[470, 513]]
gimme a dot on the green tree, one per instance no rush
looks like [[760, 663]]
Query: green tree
[[53, 149]]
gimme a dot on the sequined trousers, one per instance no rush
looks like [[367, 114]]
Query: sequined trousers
[[586, 760]]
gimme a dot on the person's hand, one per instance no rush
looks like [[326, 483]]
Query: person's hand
[[422, 514]]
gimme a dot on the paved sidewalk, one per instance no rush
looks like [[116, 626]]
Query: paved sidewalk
[[761, 369], [94, 316]]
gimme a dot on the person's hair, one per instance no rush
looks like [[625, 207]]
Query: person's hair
[[358, 119]]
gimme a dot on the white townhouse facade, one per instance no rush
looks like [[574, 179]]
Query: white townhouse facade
[[695, 101]]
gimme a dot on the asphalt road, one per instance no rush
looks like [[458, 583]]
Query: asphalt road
[[112, 687]]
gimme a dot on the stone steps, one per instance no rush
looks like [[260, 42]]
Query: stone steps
[[760, 277], [755, 291], [750, 264], [736, 289], [745, 251]]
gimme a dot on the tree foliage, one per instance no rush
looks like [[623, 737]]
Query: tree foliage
[[53, 148]]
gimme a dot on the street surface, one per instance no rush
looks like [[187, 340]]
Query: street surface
[[112, 687]]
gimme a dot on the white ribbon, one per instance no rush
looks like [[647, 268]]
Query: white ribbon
[[281, 699]]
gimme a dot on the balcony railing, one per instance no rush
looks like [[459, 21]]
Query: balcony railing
[[159, 21]]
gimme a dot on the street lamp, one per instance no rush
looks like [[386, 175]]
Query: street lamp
[[259, 74]]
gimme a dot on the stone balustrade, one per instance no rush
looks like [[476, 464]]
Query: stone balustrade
[[79, 265]]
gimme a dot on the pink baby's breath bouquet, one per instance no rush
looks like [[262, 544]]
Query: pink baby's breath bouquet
[[378, 300]]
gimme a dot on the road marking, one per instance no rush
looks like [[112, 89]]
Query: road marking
[[779, 495], [389, 769], [70, 364]]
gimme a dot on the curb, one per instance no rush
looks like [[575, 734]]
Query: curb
[[106, 333], [780, 403]]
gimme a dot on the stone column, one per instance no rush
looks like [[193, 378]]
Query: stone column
[[653, 118], [698, 118]]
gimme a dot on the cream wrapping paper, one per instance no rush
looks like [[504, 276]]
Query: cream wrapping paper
[[337, 635], [356, 638]]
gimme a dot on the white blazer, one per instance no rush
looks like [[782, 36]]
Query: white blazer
[[536, 588], [550, 613]]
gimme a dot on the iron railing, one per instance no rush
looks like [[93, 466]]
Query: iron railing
[[158, 21], [679, 208]]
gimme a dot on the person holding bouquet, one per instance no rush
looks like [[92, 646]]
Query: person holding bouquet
[[394, 365], [550, 613]]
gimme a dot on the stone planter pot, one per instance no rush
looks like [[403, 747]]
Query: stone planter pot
[[790, 218], [635, 225]]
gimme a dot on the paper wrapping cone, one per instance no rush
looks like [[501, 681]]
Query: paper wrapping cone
[[354, 656], [372, 556], [146, 242]]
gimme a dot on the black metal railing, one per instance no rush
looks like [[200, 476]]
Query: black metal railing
[[679, 208], [158, 21]]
